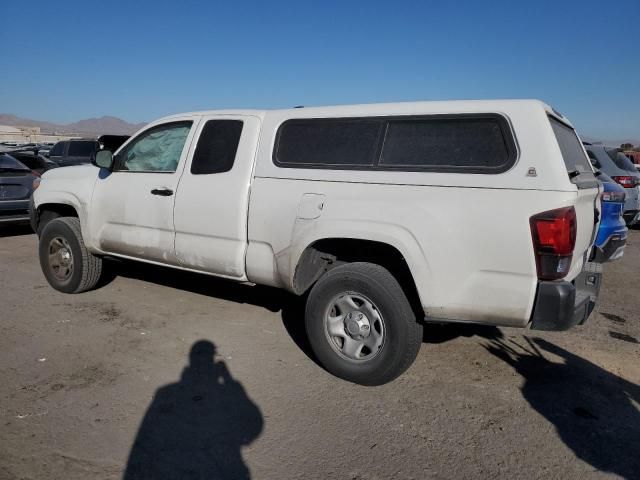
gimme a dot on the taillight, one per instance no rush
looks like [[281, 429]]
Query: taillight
[[33, 172], [554, 238], [613, 197], [627, 181]]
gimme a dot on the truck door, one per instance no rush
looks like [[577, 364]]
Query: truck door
[[212, 200], [132, 206]]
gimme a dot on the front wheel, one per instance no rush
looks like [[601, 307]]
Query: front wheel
[[65, 261], [360, 324]]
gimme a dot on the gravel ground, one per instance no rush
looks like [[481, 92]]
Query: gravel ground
[[162, 374]]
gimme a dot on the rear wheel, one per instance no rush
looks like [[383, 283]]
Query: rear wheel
[[360, 324], [65, 261]]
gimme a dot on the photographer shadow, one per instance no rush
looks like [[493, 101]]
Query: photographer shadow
[[196, 428], [595, 412]]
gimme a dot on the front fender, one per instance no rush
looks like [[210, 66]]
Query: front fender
[[47, 196]]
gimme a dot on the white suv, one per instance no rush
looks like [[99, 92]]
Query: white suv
[[384, 216]]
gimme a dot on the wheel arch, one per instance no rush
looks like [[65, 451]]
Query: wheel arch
[[322, 254], [45, 212]]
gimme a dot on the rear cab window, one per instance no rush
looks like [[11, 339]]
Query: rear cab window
[[577, 163]]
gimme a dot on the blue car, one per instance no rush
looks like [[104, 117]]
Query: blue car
[[612, 233]]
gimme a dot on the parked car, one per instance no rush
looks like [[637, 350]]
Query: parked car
[[44, 150], [37, 163], [74, 152], [358, 208], [17, 182], [622, 171], [612, 232]]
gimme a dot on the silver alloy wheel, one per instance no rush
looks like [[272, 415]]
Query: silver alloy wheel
[[60, 258], [354, 327]]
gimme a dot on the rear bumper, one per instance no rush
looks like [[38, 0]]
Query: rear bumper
[[561, 305]]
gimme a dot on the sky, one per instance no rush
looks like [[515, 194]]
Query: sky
[[64, 61]]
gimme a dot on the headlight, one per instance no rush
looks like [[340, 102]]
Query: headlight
[[36, 183]]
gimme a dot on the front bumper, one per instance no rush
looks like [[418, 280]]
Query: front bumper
[[561, 305]]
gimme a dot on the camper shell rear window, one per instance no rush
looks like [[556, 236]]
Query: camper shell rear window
[[577, 163]]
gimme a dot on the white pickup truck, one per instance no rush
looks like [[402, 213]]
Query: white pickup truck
[[385, 217]]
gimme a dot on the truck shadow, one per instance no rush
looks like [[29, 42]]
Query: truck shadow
[[595, 413], [445, 332], [291, 307], [266, 297], [196, 427]]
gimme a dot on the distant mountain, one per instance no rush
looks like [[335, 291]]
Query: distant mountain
[[90, 126]]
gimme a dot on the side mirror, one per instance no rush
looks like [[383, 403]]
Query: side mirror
[[103, 159]]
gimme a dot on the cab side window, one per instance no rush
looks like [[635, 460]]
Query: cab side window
[[217, 147], [156, 150]]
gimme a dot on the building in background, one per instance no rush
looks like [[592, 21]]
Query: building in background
[[30, 135]]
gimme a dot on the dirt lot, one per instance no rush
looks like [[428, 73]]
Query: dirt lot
[[160, 374]]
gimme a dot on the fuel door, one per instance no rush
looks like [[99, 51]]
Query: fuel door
[[310, 206]]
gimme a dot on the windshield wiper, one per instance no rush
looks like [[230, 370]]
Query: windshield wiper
[[574, 173]]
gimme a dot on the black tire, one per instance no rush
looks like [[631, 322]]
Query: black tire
[[402, 333], [86, 267]]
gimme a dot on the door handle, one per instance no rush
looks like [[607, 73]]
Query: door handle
[[163, 192]]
